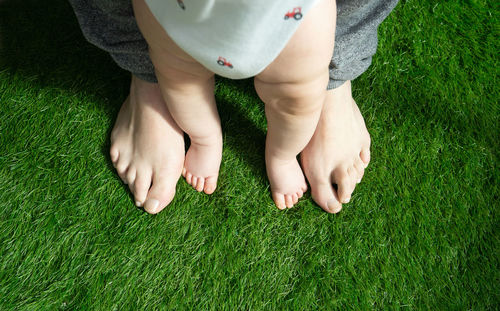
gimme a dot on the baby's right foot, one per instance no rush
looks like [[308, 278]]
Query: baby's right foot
[[147, 147]]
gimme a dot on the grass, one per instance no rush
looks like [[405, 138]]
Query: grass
[[421, 231]]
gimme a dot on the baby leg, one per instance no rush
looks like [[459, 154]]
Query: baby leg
[[293, 89], [188, 90]]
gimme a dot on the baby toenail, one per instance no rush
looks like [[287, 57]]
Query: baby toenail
[[359, 180], [138, 204], [347, 200]]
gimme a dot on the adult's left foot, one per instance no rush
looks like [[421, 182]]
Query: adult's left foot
[[338, 152], [147, 147]]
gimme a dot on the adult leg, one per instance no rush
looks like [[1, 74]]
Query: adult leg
[[147, 147], [111, 26], [339, 150], [356, 37]]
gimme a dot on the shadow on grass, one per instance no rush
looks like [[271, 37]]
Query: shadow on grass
[[41, 41]]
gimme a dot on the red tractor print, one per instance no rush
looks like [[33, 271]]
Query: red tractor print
[[223, 62], [295, 13]]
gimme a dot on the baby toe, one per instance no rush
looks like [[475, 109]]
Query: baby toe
[[300, 194], [200, 185], [210, 185], [279, 200], [188, 177], [288, 200], [304, 188]]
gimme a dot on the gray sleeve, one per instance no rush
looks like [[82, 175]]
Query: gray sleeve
[[111, 26], [356, 37]]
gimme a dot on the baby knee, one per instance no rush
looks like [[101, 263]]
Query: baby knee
[[301, 97]]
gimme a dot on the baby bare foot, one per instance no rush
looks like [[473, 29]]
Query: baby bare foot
[[338, 152], [147, 147], [201, 167], [287, 181]]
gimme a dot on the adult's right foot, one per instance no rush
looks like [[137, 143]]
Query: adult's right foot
[[147, 147]]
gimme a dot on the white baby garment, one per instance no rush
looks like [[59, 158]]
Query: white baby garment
[[233, 38]]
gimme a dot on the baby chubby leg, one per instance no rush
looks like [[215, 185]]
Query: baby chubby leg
[[188, 90], [293, 89]]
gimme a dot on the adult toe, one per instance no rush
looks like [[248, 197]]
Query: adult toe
[[141, 186], [114, 154], [325, 196], [162, 191], [121, 169], [130, 175], [344, 183], [365, 155], [360, 169]]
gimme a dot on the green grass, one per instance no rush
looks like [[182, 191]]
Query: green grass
[[421, 231]]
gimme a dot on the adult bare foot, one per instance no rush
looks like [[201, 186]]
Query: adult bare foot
[[338, 152], [147, 147]]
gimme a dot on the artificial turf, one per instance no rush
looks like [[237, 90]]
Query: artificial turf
[[421, 231]]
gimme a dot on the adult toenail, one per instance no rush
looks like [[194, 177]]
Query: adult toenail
[[151, 205], [333, 206]]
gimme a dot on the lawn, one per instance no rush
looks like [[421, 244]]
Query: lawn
[[421, 231]]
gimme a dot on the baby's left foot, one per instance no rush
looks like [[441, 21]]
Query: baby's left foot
[[338, 152]]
